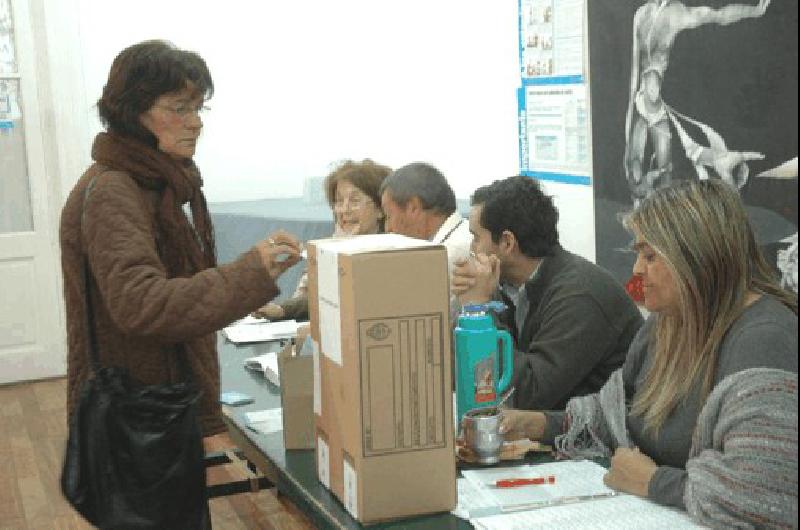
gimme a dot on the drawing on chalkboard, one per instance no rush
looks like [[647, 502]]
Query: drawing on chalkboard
[[694, 89], [657, 24]]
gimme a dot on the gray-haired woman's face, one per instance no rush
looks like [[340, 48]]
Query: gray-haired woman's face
[[354, 210]]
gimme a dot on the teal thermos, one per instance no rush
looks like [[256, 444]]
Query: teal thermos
[[483, 370]]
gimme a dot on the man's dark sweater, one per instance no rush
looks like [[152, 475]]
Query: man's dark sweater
[[576, 333]]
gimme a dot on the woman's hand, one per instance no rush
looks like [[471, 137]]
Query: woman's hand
[[271, 311], [520, 424], [278, 252], [630, 472]]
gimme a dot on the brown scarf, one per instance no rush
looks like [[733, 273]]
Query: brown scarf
[[184, 250]]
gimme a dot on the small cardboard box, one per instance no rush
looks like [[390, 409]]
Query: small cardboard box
[[379, 308], [297, 398]]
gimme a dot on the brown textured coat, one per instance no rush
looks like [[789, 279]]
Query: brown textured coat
[[140, 313]]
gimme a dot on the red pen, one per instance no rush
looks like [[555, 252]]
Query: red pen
[[515, 482]]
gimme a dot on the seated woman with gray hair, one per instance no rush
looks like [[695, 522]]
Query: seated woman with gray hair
[[352, 191], [703, 414]]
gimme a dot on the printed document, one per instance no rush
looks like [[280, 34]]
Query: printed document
[[265, 421], [577, 499], [609, 513], [251, 329]]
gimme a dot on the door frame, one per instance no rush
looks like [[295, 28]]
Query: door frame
[[56, 135]]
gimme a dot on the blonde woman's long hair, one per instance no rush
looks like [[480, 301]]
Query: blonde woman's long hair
[[701, 230]]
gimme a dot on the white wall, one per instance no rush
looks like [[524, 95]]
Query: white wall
[[575, 216], [300, 85]]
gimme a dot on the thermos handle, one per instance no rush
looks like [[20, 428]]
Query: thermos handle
[[508, 360]]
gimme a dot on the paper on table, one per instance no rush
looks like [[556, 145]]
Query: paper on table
[[250, 319], [265, 421], [249, 331], [266, 363], [471, 499], [610, 513], [573, 479], [578, 499]]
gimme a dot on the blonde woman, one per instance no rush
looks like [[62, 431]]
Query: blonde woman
[[717, 310]]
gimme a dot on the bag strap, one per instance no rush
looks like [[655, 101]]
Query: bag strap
[[91, 329]]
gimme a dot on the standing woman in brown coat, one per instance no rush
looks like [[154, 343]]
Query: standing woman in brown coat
[[139, 215]]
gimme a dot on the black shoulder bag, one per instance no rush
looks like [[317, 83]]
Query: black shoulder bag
[[134, 457]]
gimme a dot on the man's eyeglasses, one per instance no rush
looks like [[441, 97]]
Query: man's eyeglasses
[[185, 110]]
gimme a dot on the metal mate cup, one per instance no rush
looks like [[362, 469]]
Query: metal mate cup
[[481, 434]]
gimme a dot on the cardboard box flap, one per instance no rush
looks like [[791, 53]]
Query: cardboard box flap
[[326, 254], [372, 243]]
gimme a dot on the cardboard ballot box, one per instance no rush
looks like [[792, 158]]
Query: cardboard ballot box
[[297, 396], [379, 309]]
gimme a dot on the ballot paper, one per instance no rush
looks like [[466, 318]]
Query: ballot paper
[[251, 329], [609, 513], [267, 364], [471, 499], [581, 478], [265, 421], [250, 319], [577, 499]]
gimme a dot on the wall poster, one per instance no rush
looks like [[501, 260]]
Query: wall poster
[[8, 59], [554, 142], [554, 129]]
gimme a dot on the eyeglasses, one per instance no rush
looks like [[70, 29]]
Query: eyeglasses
[[185, 110], [350, 203]]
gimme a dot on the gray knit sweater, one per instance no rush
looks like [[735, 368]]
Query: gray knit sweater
[[765, 335], [742, 469]]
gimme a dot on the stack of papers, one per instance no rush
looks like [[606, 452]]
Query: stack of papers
[[251, 329], [265, 421], [578, 499], [612, 513], [267, 364]]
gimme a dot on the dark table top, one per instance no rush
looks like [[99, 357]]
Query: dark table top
[[294, 471]]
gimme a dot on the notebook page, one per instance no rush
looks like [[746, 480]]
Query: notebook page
[[572, 479], [610, 513]]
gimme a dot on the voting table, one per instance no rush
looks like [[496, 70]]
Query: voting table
[[292, 472]]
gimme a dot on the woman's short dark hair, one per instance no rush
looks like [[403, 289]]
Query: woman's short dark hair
[[139, 75], [517, 204], [366, 175]]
